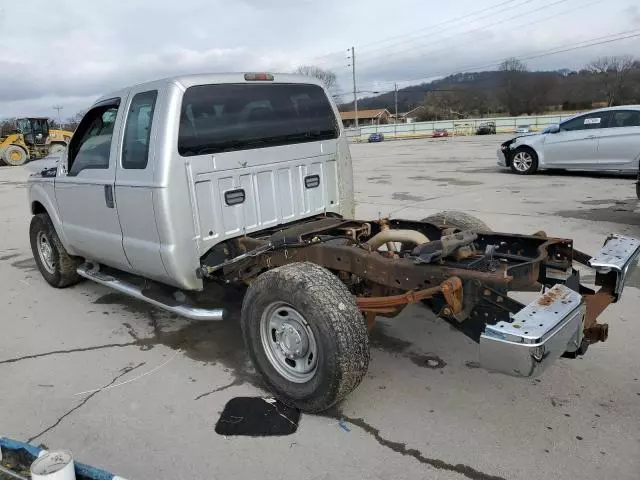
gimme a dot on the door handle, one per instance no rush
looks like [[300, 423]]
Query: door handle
[[108, 196], [591, 136]]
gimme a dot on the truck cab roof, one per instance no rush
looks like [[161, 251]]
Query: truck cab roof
[[185, 81]]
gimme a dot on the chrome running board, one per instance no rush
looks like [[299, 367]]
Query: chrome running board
[[169, 304]]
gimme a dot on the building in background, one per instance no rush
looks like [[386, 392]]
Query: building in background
[[378, 116]]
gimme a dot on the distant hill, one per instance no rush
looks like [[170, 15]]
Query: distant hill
[[487, 92]]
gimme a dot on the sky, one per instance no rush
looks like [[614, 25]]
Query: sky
[[70, 52]]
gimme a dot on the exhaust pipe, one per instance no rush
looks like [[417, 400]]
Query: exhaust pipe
[[389, 236]]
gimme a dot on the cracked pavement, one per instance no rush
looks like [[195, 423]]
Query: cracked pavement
[[424, 410]]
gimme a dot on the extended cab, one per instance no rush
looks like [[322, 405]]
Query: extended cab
[[170, 188]]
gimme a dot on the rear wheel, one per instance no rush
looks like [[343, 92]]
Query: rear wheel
[[56, 266], [15, 156], [524, 161], [305, 335]]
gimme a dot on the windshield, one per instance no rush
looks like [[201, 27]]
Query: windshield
[[228, 117], [24, 126]]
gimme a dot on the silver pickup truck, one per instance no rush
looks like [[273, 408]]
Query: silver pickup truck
[[172, 188]]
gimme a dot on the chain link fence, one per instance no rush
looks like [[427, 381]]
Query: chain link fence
[[466, 126]]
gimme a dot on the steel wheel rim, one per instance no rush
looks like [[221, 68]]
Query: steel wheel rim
[[15, 156], [45, 252], [288, 342], [522, 161]]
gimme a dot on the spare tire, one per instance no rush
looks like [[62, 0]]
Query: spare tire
[[456, 219]]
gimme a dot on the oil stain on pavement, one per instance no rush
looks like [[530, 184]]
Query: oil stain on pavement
[[257, 417], [619, 211], [210, 342]]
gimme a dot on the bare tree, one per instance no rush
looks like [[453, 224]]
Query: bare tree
[[327, 77], [613, 73], [7, 126], [513, 73], [73, 122]]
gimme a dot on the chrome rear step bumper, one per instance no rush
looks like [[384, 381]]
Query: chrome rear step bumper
[[554, 322], [540, 333], [618, 255], [179, 308]]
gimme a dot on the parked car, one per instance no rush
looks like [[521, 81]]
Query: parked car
[[607, 139], [486, 128], [439, 133], [376, 137], [523, 129]]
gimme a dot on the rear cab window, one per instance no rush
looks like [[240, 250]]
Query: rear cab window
[[230, 117], [137, 133]]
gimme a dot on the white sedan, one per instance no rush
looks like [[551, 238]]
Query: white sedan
[[607, 139]]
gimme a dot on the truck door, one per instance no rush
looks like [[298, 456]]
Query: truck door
[[135, 186], [85, 194]]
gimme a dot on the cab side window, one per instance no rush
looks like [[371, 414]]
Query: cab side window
[[135, 151], [91, 144], [625, 118], [586, 122]]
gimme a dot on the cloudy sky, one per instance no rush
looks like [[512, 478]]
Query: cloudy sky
[[69, 52]]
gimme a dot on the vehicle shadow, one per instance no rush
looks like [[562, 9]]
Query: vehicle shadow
[[576, 173], [556, 172]]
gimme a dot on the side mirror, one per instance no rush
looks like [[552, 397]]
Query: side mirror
[[62, 164], [555, 128]]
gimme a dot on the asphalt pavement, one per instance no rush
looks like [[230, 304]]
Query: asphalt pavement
[[138, 392]]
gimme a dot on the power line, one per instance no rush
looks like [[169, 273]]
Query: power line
[[355, 90], [546, 6], [468, 32], [625, 35], [545, 53], [430, 28], [58, 108], [447, 22]]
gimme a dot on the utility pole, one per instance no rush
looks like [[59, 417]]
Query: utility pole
[[395, 124], [355, 92], [58, 108]]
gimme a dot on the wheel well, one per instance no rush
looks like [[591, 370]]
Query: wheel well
[[521, 147], [37, 207]]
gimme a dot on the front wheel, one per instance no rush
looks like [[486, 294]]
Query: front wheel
[[15, 156], [56, 266], [305, 335], [524, 161]]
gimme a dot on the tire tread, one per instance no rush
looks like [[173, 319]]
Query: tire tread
[[323, 293]]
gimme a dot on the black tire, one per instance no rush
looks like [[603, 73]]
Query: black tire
[[15, 156], [62, 270], [529, 155], [331, 315], [461, 221], [456, 219]]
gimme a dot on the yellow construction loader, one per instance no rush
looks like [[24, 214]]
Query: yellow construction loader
[[31, 139]]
